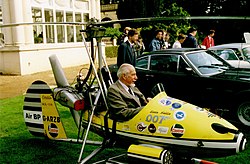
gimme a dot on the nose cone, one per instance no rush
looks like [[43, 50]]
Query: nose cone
[[241, 143], [239, 137]]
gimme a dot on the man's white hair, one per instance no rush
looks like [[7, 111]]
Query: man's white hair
[[124, 69]]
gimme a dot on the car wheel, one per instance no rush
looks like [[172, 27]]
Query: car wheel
[[243, 113], [168, 157]]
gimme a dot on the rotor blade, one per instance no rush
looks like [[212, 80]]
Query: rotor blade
[[159, 19], [149, 19], [43, 23]]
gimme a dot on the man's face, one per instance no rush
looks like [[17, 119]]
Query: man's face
[[159, 35], [194, 33], [134, 39], [130, 78]]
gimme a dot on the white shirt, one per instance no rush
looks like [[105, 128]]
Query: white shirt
[[176, 44], [126, 87], [125, 39]]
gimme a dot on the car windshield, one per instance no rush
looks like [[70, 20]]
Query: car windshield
[[246, 53], [207, 63], [227, 54]]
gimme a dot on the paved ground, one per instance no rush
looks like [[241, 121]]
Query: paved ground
[[11, 86]]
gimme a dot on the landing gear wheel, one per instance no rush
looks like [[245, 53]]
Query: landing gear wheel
[[243, 113], [168, 157]]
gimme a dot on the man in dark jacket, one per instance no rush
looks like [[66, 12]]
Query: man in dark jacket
[[126, 51], [190, 41]]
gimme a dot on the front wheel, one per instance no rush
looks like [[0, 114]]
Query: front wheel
[[167, 157], [243, 113]]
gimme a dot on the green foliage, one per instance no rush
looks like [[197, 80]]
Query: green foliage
[[113, 32], [111, 51], [174, 27]]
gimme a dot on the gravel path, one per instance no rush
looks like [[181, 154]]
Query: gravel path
[[11, 86]]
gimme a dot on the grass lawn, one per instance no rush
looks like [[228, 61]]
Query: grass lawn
[[17, 145]]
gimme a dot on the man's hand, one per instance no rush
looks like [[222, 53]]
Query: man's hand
[[149, 98]]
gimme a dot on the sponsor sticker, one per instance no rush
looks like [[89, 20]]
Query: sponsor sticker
[[199, 109], [177, 130], [141, 127], [179, 115], [162, 130], [53, 130], [152, 128], [33, 117], [165, 102], [176, 105]]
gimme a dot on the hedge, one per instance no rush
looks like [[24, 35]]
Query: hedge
[[111, 51]]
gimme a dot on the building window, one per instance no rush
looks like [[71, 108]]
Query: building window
[[70, 29], [37, 29], [50, 36], [60, 28], [58, 32], [78, 18]]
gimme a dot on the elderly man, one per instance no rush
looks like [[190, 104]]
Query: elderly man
[[124, 99]]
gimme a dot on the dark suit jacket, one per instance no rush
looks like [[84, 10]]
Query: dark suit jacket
[[125, 54], [122, 105], [190, 42]]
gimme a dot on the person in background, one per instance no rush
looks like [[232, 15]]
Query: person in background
[[139, 47], [191, 41], [124, 36], [165, 40], [124, 99], [155, 44], [181, 39], [209, 40], [126, 51]]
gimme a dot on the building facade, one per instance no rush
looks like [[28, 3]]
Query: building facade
[[108, 12], [25, 48]]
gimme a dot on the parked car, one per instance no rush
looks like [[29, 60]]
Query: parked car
[[240, 57], [230, 56], [196, 76]]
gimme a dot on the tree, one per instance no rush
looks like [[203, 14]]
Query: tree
[[128, 9], [226, 30]]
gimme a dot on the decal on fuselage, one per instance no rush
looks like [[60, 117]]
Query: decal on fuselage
[[179, 115], [33, 116], [156, 118], [141, 127], [162, 129], [152, 128], [52, 122], [177, 130], [54, 119]]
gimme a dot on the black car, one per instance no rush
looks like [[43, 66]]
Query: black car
[[196, 76]]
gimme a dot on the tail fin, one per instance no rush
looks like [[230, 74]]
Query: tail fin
[[40, 113]]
